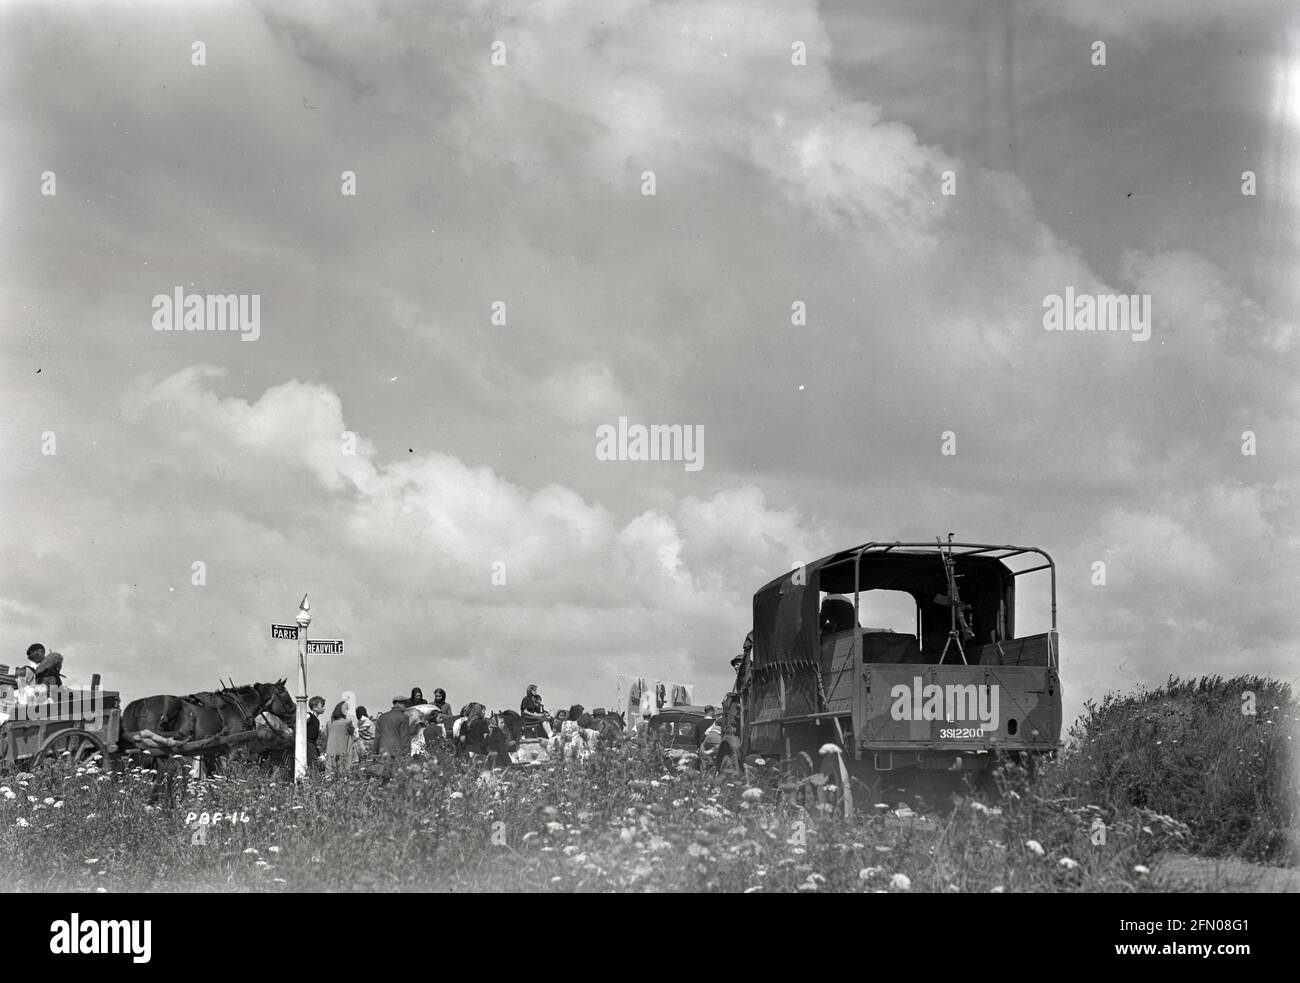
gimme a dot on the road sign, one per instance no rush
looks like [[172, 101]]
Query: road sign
[[285, 631], [324, 646]]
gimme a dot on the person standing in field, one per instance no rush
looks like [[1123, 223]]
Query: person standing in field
[[365, 742], [316, 707], [338, 741], [394, 732]]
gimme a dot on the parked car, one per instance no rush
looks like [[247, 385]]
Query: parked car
[[679, 732]]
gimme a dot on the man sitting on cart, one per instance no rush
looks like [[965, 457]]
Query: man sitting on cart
[[46, 668]]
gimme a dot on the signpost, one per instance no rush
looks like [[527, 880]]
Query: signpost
[[306, 647], [300, 718]]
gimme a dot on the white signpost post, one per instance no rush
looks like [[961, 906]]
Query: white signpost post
[[315, 646]]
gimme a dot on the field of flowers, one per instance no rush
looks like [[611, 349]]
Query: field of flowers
[[619, 821]]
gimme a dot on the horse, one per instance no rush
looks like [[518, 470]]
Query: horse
[[227, 711], [208, 713], [610, 727]]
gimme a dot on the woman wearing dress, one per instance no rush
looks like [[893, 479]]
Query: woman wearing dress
[[338, 741]]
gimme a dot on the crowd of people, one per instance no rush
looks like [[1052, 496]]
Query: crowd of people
[[351, 738]]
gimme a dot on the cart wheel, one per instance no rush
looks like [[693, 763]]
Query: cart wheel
[[69, 748]]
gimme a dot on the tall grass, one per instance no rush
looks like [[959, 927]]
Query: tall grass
[[1187, 749], [622, 821]]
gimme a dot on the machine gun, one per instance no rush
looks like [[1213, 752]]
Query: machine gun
[[959, 629]]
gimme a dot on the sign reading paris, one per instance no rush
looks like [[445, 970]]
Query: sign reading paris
[[284, 631], [324, 646]]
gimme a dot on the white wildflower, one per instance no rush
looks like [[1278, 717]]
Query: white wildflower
[[1035, 847]]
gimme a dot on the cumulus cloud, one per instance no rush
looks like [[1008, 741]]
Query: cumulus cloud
[[388, 443]]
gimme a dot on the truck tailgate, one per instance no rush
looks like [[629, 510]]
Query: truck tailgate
[[959, 708]]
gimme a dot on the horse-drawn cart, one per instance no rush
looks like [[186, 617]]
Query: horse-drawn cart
[[40, 733]]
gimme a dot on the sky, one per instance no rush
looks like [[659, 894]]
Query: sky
[[412, 437]]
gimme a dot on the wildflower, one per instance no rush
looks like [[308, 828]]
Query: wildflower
[[101, 890], [752, 794], [91, 860], [1035, 847], [279, 880], [20, 821], [554, 827], [91, 816], [250, 850], [997, 889], [900, 882], [9, 795], [1067, 863], [273, 849], [31, 798], [1141, 869], [262, 863], [556, 879], [866, 873]]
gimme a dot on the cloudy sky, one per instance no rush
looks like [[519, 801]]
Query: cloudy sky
[[523, 184]]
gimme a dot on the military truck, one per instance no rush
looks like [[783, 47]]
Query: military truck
[[925, 711]]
